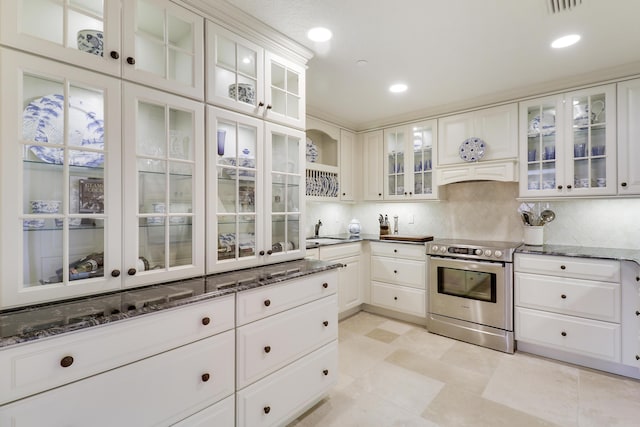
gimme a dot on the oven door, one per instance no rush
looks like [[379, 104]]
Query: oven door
[[475, 291]]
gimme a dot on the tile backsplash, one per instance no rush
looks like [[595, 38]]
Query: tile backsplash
[[487, 210]]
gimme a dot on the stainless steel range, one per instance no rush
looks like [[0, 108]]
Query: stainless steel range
[[471, 291]]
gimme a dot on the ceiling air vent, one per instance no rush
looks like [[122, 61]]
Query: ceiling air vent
[[557, 6]]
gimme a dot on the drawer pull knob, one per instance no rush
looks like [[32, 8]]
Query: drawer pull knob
[[395, 271], [637, 313], [638, 279], [563, 333], [325, 323], [563, 296], [131, 272], [261, 253], [325, 285], [115, 273], [637, 357], [205, 377], [395, 250], [267, 302], [206, 321], [267, 349], [563, 267], [115, 55], [326, 372], [66, 361], [267, 409], [131, 61], [395, 298]]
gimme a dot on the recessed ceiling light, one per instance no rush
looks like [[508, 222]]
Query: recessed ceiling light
[[398, 87], [319, 34], [565, 41]]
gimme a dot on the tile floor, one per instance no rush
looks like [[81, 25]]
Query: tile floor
[[398, 374]]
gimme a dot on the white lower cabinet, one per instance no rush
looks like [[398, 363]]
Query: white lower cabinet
[[221, 414], [349, 276], [160, 390], [398, 298]]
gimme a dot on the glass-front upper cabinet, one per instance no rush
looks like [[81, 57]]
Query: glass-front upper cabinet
[[61, 179], [409, 153], [285, 166], [81, 32], [568, 144], [235, 213], [164, 186], [285, 91], [163, 46]]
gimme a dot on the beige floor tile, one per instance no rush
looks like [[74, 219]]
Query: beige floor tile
[[479, 359], [359, 354], [452, 374], [361, 323], [454, 407], [382, 335], [537, 387], [608, 400], [398, 385], [421, 342], [396, 327]]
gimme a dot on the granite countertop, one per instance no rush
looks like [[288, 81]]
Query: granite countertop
[[583, 252], [44, 320], [337, 239]]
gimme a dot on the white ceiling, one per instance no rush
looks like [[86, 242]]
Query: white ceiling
[[453, 54]]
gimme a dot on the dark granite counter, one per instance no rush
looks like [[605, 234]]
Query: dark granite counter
[[583, 252], [45, 320], [337, 239]]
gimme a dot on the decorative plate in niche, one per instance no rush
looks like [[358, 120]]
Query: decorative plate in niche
[[472, 149]]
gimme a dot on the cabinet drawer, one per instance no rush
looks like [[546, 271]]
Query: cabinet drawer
[[579, 268], [398, 271], [278, 398], [221, 414], [35, 367], [332, 252], [159, 390], [270, 344], [399, 298], [584, 337], [398, 250], [265, 301], [584, 298]]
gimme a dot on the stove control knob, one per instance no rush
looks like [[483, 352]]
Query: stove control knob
[[434, 248], [487, 252], [478, 252], [498, 254], [443, 249]]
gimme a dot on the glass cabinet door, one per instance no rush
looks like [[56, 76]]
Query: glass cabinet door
[[234, 153], [423, 144], [81, 32], [285, 96], [395, 146], [285, 167], [592, 126], [235, 71], [164, 186], [164, 46], [61, 180], [544, 146]]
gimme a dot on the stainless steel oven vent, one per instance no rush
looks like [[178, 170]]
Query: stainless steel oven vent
[[558, 6]]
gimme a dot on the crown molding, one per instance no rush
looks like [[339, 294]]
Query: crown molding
[[236, 20]]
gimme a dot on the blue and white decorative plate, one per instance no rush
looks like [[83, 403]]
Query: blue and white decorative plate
[[545, 123], [472, 149], [43, 121], [312, 151]]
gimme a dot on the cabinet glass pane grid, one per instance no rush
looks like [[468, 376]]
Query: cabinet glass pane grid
[[236, 71], [285, 90], [285, 188], [589, 149], [395, 163], [541, 148], [422, 160], [63, 205]]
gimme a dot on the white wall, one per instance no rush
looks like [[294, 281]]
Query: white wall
[[488, 211]]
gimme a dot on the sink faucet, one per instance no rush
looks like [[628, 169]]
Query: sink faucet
[[317, 228]]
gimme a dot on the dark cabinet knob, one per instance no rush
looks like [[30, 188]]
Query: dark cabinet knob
[[637, 357], [269, 252], [206, 321], [205, 377], [395, 298], [395, 271], [379, 194], [267, 349], [261, 252], [131, 61], [637, 313], [269, 107], [563, 333], [563, 296], [325, 285], [344, 194], [267, 302], [395, 251], [267, 409], [131, 272], [638, 279], [260, 104], [405, 193], [569, 187], [66, 361], [410, 193], [325, 323], [559, 187], [563, 267], [114, 54], [115, 273], [326, 372], [623, 184]]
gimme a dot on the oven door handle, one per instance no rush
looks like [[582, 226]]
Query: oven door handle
[[466, 264]]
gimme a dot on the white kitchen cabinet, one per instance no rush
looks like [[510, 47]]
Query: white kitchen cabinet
[[163, 46], [568, 144], [255, 191], [628, 136], [221, 414], [243, 76], [50, 28], [373, 178], [159, 390], [164, 195], [349, 165], [496, 126], [60, 132], [409, 152], [398, 278], [349, 276]]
